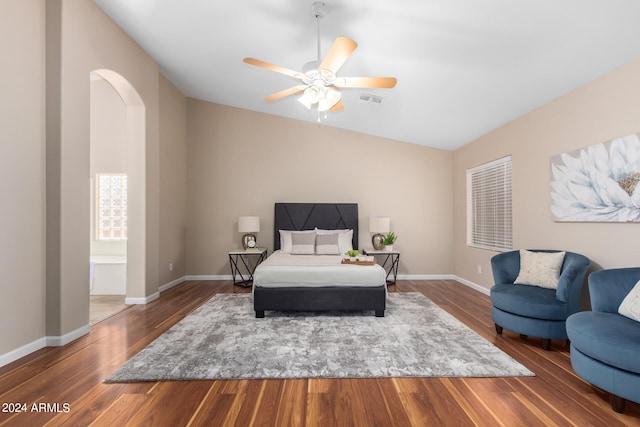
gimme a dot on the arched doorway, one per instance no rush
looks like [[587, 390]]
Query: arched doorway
[[117, 175]]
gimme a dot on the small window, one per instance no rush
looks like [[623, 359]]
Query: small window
[[111, 210], [489, 206]]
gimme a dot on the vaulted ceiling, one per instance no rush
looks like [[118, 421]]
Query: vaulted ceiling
[[464, 67]]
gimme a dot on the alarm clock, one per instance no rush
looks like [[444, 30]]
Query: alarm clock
[[248, 241]]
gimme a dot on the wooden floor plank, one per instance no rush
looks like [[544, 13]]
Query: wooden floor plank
[[74, 375], [476, 409], [165, 407], [292, 404], [121, 411]]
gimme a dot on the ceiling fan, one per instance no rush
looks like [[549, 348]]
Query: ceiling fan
[[319, 83]]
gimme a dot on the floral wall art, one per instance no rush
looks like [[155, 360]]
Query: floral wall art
[[599, 183]]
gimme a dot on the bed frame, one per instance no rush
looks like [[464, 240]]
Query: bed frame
[[307, 216]]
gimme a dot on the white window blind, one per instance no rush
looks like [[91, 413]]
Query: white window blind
[[489, 206], [111, 218]]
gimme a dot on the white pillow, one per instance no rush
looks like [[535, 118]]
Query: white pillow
[[630, 306], [303, 243], [327, 244], [285, 239], [540, 268], [345, 238]]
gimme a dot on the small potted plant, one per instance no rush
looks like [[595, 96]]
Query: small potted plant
[[388, 241], [352, 254]]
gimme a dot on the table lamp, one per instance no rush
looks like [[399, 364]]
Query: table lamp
[[248, 225], [378, 225]]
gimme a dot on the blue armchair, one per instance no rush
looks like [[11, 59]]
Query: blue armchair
[[605, 346], [533, 310]]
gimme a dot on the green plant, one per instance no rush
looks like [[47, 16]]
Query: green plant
[[389, 239], [352, 253]]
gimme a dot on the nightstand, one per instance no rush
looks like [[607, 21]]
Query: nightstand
[[390, 261], [243, 264]]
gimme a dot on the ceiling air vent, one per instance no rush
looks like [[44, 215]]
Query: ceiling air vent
[[371, 99]]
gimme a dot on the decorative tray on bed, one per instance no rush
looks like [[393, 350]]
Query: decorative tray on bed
[[348, 261]]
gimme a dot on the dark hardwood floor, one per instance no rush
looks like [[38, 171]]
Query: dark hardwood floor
[[71, 376]]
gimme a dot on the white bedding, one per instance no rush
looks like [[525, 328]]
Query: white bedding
[[285, 270]]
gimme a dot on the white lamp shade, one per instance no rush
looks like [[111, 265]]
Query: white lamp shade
[[249, 224], [325, 97], [311, 95], [379, 224], [331, 98]]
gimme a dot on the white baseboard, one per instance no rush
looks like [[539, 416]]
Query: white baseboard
[[156, 295], [425, 277], [472, 285], [142, 300], [210, 277], [48, 341], [57, 341], [26, 349], [465, 282], [171, 284]]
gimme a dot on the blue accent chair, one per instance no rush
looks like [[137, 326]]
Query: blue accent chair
[[532, 310], [605, 346]]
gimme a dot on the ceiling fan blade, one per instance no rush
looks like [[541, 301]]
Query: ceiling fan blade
[[341, 50], [272, 67], [337, 107], [366, 82], [283, 93]]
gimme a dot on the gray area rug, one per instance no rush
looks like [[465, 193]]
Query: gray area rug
[[223, 340]]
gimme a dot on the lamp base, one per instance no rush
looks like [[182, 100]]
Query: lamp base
[[248, 238], [377, 240]]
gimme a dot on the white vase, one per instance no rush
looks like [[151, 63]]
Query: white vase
[[388, 248]]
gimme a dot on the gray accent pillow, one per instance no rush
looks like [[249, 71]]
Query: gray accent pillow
[[345, 238], [303, 243], [327, 244]]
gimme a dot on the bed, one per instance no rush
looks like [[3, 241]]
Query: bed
[[311, 282]]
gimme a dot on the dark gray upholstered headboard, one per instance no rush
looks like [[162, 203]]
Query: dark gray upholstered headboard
[[307, 216]]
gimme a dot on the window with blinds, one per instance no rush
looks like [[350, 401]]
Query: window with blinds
[[111, 210], [489, 206]]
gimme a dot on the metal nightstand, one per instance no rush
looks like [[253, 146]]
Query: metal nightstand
[[390, 262], [239, 261]]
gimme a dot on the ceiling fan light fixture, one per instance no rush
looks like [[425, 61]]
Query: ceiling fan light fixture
[[310, 96], [324, 97], [331, 98], [321, 87]]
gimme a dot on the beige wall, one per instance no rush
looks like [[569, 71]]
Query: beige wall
[[173, 181], [22, 190], [606, 108], [108, 133], [242, 162]]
